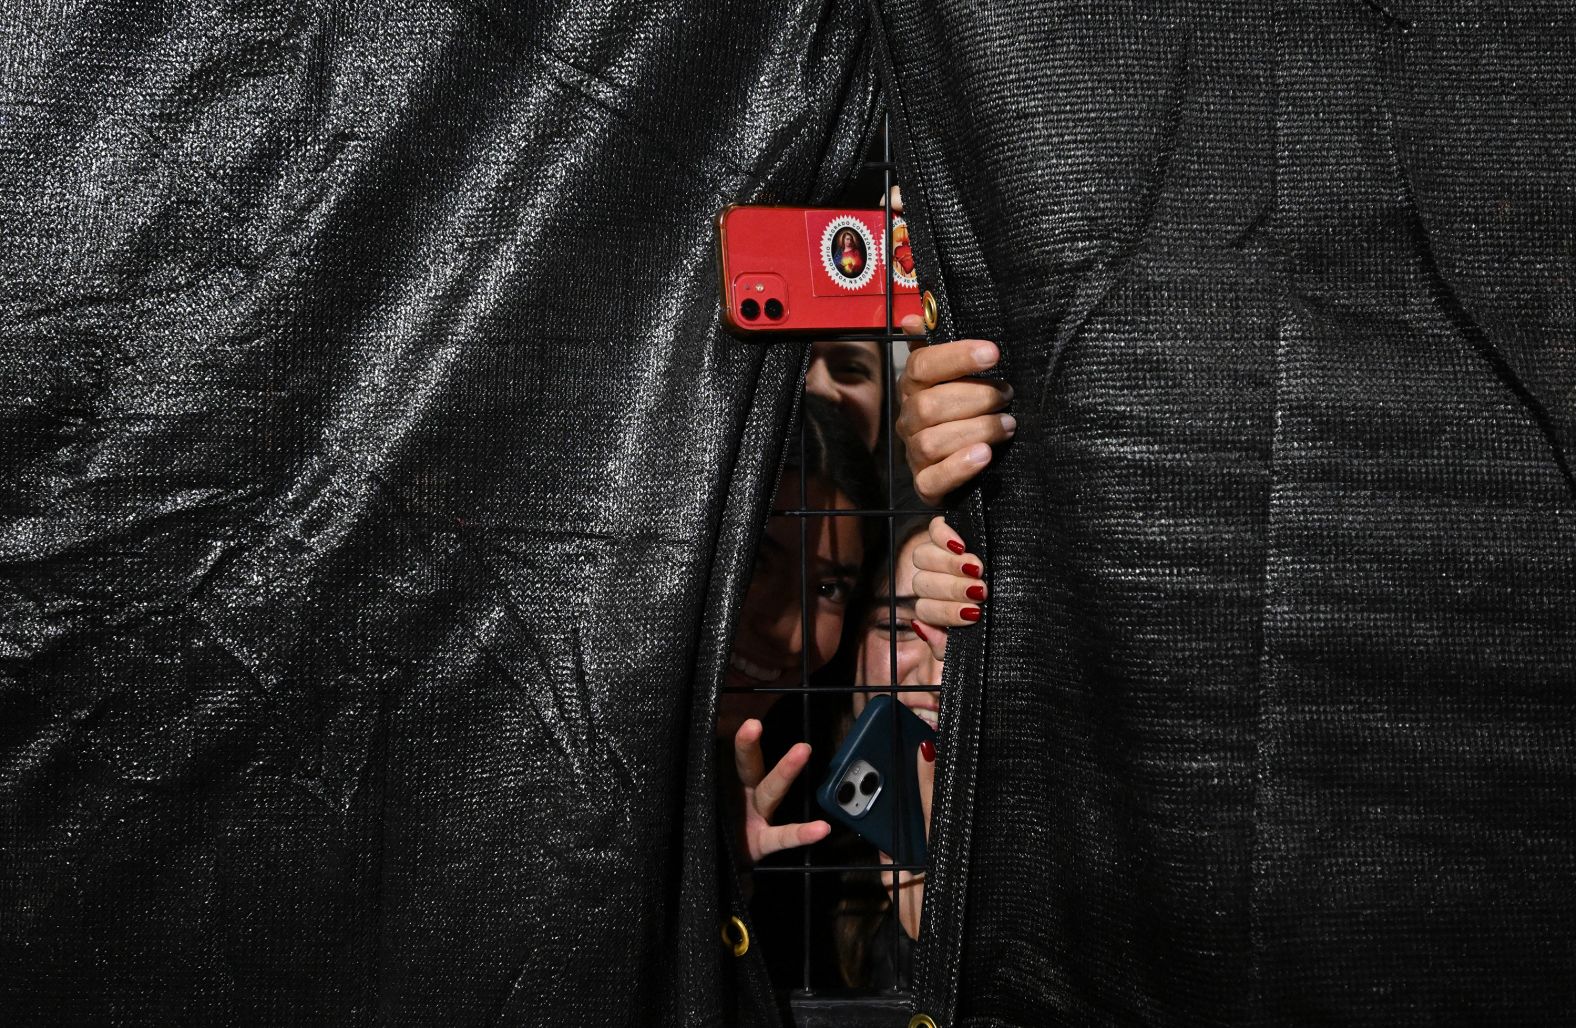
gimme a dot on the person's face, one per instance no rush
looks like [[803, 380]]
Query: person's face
[[915, 664], [849, 375], [770, 648]]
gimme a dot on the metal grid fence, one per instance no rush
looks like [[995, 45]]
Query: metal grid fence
[[806, 868]]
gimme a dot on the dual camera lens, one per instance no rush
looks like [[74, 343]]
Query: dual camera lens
[[867, 787], [749, 310]]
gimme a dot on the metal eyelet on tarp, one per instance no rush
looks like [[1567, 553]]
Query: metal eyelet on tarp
[[932, 316], [736, 936], [921, 1021]]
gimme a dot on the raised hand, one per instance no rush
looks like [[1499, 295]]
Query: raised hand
[[949, 420], [949, 583], [762, 792]]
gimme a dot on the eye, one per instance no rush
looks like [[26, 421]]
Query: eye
[[853, 371], [834, 591], [903, 628]]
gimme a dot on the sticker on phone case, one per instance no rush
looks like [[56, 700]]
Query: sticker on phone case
[[902, 256], [848, 252]]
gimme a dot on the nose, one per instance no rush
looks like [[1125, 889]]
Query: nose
[[775, 622], [921, 667], [818, 380]]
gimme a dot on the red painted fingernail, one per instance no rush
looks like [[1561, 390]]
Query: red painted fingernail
[[927, 749], [919, 631], [973, 571], [976, 592], [955, 547], [970, 613]]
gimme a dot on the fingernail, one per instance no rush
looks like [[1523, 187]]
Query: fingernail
[[955, 547], [973, 571], [970, 613], [979, 453], [927, 749], [1009, 424], [984, 355], [976, 592], [919, 631]]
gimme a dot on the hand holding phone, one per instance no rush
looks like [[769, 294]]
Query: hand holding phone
[[813, 269], [873, 786]]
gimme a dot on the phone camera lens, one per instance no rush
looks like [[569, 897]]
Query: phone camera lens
[[774, 309], [869, 782], [752, 310], [845, 793]]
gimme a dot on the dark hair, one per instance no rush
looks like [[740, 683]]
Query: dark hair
[[833, 453]]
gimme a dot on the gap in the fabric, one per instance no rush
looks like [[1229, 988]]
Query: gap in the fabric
[[825, 627]]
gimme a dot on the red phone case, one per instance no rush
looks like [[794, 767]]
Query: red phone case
[[812, 269]]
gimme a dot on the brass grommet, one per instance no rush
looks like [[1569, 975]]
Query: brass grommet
[[932, 317], [921, 1021], [741, 944]]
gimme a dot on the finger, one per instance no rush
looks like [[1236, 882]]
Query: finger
[[934, 482], [932, 406], [946, 613], [942, 585], [943, 534], [946, 362], [914, 325], [930, 557], [747, 759], [933, 445], [935, 637], [896, 198], [773, 838], [774, 786]]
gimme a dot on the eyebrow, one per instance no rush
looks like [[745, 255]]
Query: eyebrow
[[901, 601], [850, 349]]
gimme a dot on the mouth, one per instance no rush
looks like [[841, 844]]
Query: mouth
[[753, 671], [930, 715]]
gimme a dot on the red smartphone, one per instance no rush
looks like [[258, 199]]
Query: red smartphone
[[813, 269]]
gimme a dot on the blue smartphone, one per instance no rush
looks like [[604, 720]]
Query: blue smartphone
[[873, 786]]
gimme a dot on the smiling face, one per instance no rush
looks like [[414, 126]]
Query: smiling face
[[915, 664], [849, 375], [769, 647]]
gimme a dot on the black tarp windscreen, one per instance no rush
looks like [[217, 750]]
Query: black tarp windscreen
[[1273, 716], [374, 479], [376, 488]]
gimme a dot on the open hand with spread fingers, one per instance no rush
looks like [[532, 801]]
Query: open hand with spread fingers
[[762, 793], [949, 585]]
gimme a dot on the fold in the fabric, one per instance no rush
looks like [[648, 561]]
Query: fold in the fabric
[[1270, 718], [375, 479]]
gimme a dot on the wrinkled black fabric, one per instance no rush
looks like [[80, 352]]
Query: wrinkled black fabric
[[1272, 717], [377, 488]]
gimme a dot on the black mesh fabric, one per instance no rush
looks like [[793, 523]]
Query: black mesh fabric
[[1272, 716], [374, 485]]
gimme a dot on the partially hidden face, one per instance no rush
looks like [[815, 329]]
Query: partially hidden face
[[915, 663], [849, 375], [915, 666], [770, 647]]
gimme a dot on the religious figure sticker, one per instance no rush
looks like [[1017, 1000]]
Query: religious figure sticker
[[902, 255], [848, 252]]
